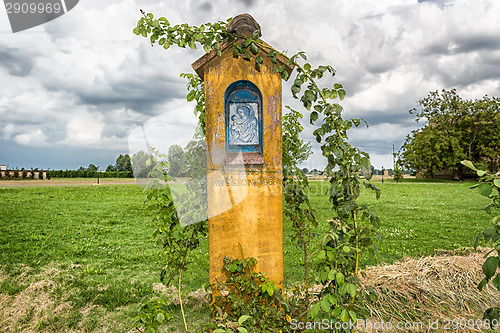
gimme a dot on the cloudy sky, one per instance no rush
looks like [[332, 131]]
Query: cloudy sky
[[83, 88]]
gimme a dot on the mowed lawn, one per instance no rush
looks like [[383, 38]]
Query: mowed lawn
[[418, 218], [87, 250]]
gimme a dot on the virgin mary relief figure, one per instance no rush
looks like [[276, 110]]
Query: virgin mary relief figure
[[243, 124]]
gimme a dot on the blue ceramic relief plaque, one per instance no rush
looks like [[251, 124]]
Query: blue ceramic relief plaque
[[243, 117], [243, 124]]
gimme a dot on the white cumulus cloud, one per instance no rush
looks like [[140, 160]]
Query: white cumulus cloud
[[34, 138]]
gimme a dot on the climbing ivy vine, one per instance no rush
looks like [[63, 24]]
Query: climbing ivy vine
[[351, 230], [489, 186]]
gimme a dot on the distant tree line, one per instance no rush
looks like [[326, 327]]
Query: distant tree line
[[121, 169], [182, 162], [373, 171], [89, 174]]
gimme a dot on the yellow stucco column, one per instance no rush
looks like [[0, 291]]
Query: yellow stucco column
[[244, 176]]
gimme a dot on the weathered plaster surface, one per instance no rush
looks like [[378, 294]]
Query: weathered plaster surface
[[249, 215]]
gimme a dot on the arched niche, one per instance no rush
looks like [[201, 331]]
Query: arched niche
[[243, 122]]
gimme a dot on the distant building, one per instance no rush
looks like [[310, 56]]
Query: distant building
[[21, 174]]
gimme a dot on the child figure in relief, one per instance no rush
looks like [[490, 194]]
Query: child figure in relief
[[243, 125]]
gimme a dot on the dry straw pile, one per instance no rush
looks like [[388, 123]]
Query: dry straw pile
[[441, 287]]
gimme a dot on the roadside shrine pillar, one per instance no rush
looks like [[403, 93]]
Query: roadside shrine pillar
[[244, 167]]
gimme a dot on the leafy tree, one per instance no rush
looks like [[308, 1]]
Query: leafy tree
[[142, 164], [194, 162], [91, 167], [123, 163], [456, 130], [110, 168], [174, 158], [398, 173]]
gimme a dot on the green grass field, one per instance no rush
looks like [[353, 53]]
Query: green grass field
[[80, 258]]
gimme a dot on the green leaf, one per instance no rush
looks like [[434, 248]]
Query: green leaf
[[485, 189], [489, 231], [325, 305], [337, 86], [481, 284], [469, 165], [136, 31], [295, 89], [219, 330], [342, 94], [254, 49], [490, 267], [336, 312], [497, 182], [351, 289], [343, 289], [344, 315], [333, 94], [247, 42], [284, 75], [235, 53], [160, 317], [191, 95], [307, 66], [314, 116], [242, 330], [207, 46], [315, 310], [340, 278], [233, 267], [481, 173], [496, 282], [337, 107], [322, 254], [243, 318]]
